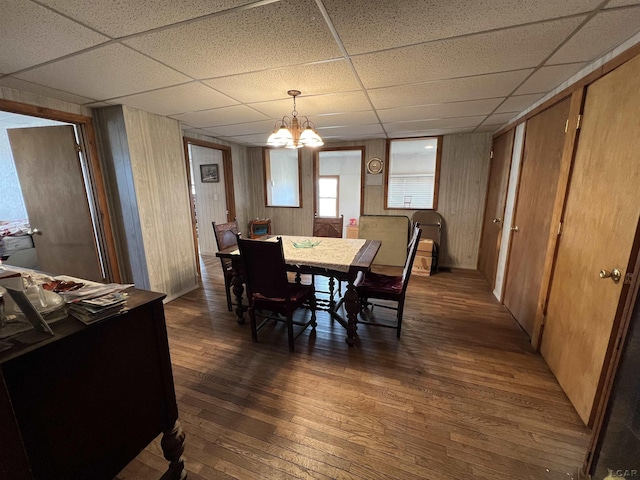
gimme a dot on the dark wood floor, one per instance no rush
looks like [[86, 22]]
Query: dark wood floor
[[460, 396]]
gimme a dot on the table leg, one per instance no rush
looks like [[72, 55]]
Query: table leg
[[238, 289], [172, 444], [352, 305]]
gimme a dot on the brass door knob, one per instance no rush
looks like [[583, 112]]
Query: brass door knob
[[496, 220], [614, 274], [515, 229]]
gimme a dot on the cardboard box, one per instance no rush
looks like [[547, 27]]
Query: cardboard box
[[425, 245], [422, 264]]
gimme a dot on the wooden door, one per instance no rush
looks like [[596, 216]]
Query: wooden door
[[54, 194], [539, 171], [494, 210], [599, 227]]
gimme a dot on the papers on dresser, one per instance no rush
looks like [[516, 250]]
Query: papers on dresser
[[98, 308], [89, 289]]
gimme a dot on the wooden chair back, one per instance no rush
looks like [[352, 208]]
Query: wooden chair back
[[328, 226], [264, 269], [226, 234]]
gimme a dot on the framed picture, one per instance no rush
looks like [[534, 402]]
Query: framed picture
[[209, 173]]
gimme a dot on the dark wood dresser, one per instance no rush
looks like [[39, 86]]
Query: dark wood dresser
[[83, 403]]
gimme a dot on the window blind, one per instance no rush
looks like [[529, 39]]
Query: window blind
[[410, 191]]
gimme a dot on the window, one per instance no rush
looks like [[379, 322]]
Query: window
[[282, 178], [328, 196], [413, 173]]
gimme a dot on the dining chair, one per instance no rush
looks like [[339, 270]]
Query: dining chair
[[379, 286], [328, 227], [270, 294], [225, 234]]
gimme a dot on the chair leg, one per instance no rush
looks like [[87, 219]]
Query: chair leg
[[314, 307], [290, 331], [229, 304], [400, 309], [254, 325]]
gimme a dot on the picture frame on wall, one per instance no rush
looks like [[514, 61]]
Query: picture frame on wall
[[209, 173]]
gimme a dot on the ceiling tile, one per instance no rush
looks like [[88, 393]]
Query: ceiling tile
[[220, 116], [621, 3], [104, 73], [315, 105], [463, 122], [454, 90], [247, 41], [444, 110], [257, 139], [487, 128], [25, 86], [394, 24], [312, 79], [373, 129], [602, 33], [500, 118], [548, 78], [118, 19], [179, 99], [264, 127], [31, 34], [429, 132], [522, 47], [345, 119], [519, 103]]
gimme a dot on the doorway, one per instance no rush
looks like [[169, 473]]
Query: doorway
[[337, 184], [36, 187], [210, 176]]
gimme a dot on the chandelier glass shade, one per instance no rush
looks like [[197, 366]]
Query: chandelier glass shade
[[294, 133]]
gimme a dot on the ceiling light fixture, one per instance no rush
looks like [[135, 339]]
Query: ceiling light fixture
[[291, 133]]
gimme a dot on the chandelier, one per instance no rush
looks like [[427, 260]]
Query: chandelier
[[292, 133]]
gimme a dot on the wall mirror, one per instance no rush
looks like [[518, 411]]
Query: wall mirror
[[282, 177]]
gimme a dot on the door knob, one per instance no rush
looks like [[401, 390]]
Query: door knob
[[614, 274], [514, 229], [496, 220]]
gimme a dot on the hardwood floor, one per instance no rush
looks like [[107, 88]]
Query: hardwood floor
[[461, 395]]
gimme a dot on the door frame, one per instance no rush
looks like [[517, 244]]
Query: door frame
[[229, 192], [97, 197], [316, 173], [485, 212]]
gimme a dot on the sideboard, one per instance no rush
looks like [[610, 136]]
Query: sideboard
[[85, 402]]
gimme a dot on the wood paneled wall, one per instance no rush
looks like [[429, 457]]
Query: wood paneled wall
[[12, 94], [143, 154], [465, 163]]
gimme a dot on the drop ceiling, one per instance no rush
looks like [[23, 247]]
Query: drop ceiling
[[366, 68]]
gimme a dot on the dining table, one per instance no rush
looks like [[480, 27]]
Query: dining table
[[341, 258]]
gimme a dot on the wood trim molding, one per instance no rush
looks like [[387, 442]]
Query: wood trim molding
[[88, 139], [42, 112], [578, 85], [185, 145]]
